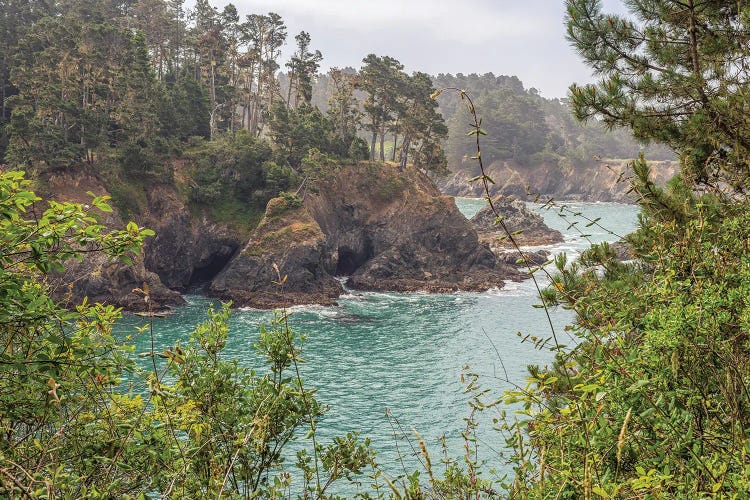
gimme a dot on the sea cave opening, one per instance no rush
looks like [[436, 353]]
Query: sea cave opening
[[352, 259], [204, 274]]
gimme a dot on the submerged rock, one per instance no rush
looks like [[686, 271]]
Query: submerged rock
[[512, 258]]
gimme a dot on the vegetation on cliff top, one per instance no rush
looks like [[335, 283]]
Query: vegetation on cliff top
[[130, 87], [135, 88], [651, 401]]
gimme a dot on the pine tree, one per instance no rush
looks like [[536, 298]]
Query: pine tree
[[343, 107], [84, 85], [302, 70], [379, 78], [422, 126], [675, 71], [264, 35]]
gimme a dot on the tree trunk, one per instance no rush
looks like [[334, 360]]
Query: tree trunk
[[382, 145], [3, 86], [249, 96], [404, 156], [212, 123], [395, 142], [289, 89], [372, 145], [257, 104]]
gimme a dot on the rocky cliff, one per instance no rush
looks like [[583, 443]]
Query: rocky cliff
[[395, 231], [96, 276], [606, 181], [287, 261], [373, 226], [186, 249], [379, 228]]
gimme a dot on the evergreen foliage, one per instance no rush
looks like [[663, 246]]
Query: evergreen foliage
[[673, 72], [232, 168], [399, 104], [524, 127], [651, 399]]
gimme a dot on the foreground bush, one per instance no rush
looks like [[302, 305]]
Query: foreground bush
[[653, 401], [71, 428]]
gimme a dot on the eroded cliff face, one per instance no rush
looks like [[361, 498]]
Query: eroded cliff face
[[373, 226], [379, 228], [604, 182], [395, 231], [97, 276], [287, 261], [186, 249]]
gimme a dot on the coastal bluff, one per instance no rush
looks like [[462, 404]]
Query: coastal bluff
[[371, 226], [368, 226]]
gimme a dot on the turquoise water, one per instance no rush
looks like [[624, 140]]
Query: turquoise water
[[406, 352]]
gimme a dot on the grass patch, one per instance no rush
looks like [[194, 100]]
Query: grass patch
[[129, 197], [235, 214]]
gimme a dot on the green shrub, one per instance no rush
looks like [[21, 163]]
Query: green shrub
[[72, 430], [651, 401]]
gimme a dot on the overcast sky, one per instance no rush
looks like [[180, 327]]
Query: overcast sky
[[525, 38]]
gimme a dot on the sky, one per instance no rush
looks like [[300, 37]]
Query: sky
[[525, 38]]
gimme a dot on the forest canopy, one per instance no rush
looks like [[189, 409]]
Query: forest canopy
[[133, 84]]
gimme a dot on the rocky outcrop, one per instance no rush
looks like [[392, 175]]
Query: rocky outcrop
[[623, 250], [187, 250], [528, 227], [375, 226], [395, 231], [380, 228], [603, 182], [528, 258], [98, 277], [287, 261]]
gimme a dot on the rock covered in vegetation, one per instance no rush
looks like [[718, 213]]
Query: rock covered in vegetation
[[517, 217], [188, 248], [383, 229], [289, 240]]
